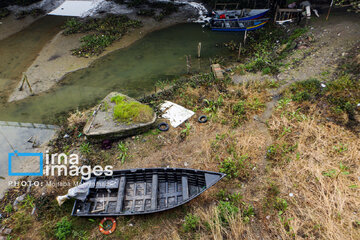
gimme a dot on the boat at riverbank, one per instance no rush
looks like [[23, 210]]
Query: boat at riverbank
[[143, 191], [237, 26], [238, 20], [239, 15]]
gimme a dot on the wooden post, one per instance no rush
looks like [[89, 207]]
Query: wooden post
[[245, 37], [327, 17], [238, 58], [199, 49], [276, 13], [25, 79], [188, 63]]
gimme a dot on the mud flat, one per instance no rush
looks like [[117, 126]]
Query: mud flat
[[55, 60]]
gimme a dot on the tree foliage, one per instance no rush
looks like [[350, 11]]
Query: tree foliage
[[354, 4]]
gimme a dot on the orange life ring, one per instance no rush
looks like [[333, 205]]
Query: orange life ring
[[113, 227]]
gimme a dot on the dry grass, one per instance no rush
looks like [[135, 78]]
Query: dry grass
[[322, 173]]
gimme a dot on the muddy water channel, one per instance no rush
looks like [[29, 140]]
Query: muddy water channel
[[133, 71]]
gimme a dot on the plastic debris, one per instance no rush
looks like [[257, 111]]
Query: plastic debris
[[291, 194], [175, 113], [323, 85], [80, 192]]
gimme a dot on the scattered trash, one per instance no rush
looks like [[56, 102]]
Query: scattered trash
[[107, 225], [7, 231], [163, 127], [30, 139], [131, 225], [323, 85], [106, 144], [66, 135], [202, 119], [175, 113], [18, 200], [268, 217], [291, 194], [186, 164], [33, 210], [80, 192]]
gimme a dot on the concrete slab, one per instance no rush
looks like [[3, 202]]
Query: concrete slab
[[15, 136], [102, 126], [78, 8]]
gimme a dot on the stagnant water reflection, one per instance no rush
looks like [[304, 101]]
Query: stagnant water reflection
[[133, 71]]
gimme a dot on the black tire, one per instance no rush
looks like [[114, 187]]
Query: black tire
[[202, 119], [163, 127]]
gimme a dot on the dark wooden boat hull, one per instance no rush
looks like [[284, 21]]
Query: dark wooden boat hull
[[144, 191]]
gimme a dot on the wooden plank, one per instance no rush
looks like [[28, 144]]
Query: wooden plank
[[217, 70], [154, 192], [121, 194], [185, 187]]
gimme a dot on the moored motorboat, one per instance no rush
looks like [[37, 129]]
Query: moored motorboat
[[143, 191], [239, 15], [238, 20], [237, 26]]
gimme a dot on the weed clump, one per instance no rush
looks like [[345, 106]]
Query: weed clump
[[227, 210], [104, 32], [63, 229], [306, 90], [191, 222], [131, 111], [235, 167]]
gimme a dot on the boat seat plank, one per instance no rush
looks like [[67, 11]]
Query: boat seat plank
[[185, 188], [121, 194], [154, 192]]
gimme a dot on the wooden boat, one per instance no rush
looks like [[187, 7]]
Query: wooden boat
[[237, 26], [239, 15], [143, 191]]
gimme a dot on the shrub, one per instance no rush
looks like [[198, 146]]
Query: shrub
[[306, 90], [191, 222], [8, 208], [235, 167], [239, 108], [4, 12], [247, 213], [226, 210], [85, 148], [63, 229], [280, 204]]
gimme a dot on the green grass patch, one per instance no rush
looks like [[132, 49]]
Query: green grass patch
[[131, 111], [63, 229], [191, 222]]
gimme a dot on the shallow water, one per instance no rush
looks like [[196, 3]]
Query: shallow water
[[19, 50], [133, 71]]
